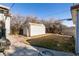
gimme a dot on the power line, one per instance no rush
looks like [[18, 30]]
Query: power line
[[12, 6]]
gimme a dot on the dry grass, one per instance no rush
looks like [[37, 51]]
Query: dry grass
[[53, 41]]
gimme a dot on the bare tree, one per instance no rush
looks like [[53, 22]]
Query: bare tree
[[16, 23], [32, 19], [52, 25]]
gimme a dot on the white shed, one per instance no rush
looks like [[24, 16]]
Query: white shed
[[32, 29]]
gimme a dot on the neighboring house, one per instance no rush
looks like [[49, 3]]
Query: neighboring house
[[75, 18], [32, 29], [5, 17]]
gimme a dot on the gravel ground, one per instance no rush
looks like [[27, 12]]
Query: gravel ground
[[18, 48]]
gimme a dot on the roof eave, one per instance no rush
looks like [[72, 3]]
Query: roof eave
[[5, 7], [75, 7]]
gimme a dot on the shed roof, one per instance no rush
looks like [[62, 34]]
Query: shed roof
[[36, 24]]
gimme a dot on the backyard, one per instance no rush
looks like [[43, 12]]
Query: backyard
[[43, 46], [52, 41]]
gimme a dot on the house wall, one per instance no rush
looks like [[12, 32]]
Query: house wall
[[1, 16], [75, 17], [7, 25], [77, 34]]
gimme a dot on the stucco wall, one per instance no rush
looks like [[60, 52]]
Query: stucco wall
[[7, 25], [1, 17]]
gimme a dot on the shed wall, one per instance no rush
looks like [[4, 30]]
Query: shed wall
[[37, 30]]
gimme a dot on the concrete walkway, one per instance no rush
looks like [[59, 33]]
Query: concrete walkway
[[18, 48]]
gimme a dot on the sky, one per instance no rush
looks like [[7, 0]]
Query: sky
[[42, 10]]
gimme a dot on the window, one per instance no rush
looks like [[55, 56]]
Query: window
[[6, 12], [1, 11]]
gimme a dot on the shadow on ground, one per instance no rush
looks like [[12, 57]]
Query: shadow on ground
[[23, 51]]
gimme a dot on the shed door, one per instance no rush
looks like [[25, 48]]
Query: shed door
[[37, 30]]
